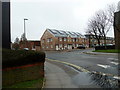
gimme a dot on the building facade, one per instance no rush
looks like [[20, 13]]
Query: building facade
[[117, 29], [61, 40], [5, 36], [93, 41], [30, 44]]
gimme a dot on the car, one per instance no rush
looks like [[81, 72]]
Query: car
[[81, 47], [26, 49]]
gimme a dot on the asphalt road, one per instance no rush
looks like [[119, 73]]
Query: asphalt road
[[107, 64]]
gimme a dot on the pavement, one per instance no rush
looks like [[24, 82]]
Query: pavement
[[57, 77]]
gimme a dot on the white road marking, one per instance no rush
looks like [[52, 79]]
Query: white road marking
[[116, 77], [116, 59], [113, 59], [85, 70], [114, 63], [103, 66]]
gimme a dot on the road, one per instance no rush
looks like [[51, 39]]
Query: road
[[105, 64]]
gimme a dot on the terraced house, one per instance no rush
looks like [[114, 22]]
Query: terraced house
[[60, 40]]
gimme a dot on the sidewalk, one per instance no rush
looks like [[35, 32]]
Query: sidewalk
[[56, 77]]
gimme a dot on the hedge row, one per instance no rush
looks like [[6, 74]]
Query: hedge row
[[104, 48], [13, 58]]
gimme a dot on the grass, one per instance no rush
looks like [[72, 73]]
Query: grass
[[28, 84], [108, 51]]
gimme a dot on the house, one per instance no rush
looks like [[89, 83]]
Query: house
[[93, 41], [60, 40], [30, 44], [117, 29]]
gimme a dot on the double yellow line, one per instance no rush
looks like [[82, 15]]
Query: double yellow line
[[82, 69]]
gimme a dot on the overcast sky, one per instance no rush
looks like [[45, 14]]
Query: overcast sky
[[68, 15]]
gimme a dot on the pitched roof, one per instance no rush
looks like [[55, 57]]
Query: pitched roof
[[61, 33]]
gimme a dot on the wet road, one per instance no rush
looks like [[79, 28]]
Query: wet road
[[98, 63]]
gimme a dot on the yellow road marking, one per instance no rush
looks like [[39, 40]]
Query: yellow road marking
[[82, 69]]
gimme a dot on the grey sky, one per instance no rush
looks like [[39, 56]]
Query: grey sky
[[69, 15]]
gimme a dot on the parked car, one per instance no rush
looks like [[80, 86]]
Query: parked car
[[81, 47], [26, 49]]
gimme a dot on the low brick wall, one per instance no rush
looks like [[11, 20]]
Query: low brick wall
[[14, 75]]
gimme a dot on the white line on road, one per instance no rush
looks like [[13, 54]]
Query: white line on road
[[85, 70], [103, 66], [113, 59], [114, 63]]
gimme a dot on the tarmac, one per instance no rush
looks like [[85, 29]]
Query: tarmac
[[56, 77]]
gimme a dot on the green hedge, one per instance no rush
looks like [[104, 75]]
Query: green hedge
[[12, 58]]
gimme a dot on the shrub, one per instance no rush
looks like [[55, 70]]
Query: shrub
[[12, 58], [103, 47]]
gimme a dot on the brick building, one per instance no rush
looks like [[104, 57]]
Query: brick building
[[59, 40], [93, 41], [117, 29], [30, 44]]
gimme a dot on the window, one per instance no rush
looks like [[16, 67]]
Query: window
[[49, 40], [77, 45], [64, 39], [73, 40], [76, 40], [43, 41], [51, 46], [60, 45], [60, 39]]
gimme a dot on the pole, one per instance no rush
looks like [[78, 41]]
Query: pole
[[25, 27]]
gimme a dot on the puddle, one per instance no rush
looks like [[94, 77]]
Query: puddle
[[95, 80]]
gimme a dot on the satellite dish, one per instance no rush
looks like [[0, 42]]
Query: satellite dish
[[118, 7]]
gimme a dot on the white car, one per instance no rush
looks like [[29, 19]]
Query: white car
[[26, 49]]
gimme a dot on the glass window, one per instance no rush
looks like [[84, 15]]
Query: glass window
[[73, 40], [64, 39], [48, 40], [51, 46], [60, 39]]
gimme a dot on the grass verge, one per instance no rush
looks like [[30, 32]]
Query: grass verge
[[28, 84], [108, 51]]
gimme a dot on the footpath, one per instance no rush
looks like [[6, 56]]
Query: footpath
[[56, 77]]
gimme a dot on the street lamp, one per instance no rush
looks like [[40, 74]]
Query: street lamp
[[24, 27]]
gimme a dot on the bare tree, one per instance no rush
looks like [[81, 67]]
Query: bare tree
[[102, 22], [16, 40], [15, 45], [92, 29], [23, 38]]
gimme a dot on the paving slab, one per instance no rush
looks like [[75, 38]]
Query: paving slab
[[57, 77]]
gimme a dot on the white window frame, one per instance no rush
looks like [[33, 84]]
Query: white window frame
[[60, 39], [65, 39]]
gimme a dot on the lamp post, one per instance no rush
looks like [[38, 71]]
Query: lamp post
[[24, 27]]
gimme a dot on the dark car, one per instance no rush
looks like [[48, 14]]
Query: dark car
[[81, 47]]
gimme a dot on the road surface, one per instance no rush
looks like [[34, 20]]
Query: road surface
[[105, 64]]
